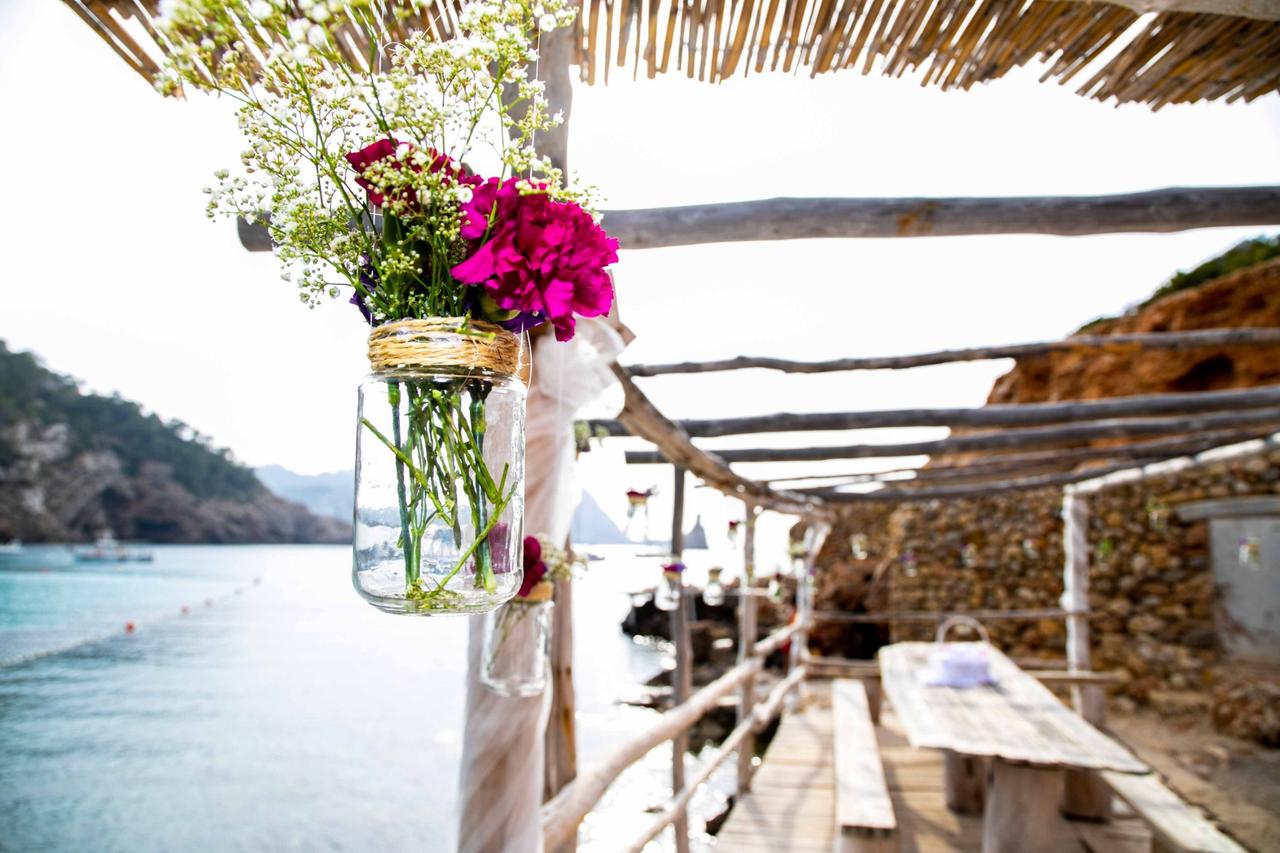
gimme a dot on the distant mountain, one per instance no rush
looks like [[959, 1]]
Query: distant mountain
[[330, 495], [75, 464], [592, 526]]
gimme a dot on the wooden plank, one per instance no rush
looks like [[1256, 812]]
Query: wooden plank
[[1175, 823], [1000, 415], [862, 799]]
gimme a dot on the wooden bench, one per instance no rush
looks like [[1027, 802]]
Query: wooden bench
[[864, 813], [1176, 826]]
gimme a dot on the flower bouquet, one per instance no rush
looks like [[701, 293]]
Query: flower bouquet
[[516, 636], [407, 179]]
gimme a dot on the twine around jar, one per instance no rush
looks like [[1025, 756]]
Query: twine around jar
[[455, 342]]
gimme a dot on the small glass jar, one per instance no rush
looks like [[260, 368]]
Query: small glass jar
[[439, 475], [713, 595], [776, 590], [517, 638], [667, 595]]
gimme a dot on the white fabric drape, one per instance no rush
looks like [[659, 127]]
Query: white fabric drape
[[502, 756]]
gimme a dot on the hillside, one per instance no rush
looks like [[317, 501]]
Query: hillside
[[73, 464], [1246, 297]]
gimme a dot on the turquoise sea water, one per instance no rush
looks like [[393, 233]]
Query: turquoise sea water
[[279, 713]]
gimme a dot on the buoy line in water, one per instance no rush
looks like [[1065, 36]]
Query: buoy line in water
[[130, 627]]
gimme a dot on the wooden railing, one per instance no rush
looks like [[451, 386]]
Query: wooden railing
[[562, 814]]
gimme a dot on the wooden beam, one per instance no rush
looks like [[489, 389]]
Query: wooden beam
[[644, 420], [997, 440], [1160, 448], [972, 490], [1164, 210], [1015, 415], [1261, 10], [1128, 342], [1172, 209]]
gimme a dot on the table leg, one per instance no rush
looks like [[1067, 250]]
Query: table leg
[[1086, 796], [964, 781], [1022, 807]]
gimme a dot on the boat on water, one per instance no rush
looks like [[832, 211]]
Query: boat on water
[[107, 550], [11, 549]]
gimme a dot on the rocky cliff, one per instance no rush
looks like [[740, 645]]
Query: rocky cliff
[[73, 465], [1247, 297]]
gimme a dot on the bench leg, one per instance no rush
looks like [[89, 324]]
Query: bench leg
[[964, 781], [866, 841], [872, 686], [1022, 808], [1086, 796]]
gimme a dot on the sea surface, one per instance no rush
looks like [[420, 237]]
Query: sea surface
[[244, 698]]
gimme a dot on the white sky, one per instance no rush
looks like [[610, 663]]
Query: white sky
[[112, 273]]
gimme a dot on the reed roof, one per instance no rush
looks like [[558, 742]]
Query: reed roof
[[1155, 52]]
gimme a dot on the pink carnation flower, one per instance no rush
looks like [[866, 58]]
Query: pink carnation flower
[[534, 568], [543, 256]]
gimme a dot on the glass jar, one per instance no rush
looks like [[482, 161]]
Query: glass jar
[[713, 595], [439, 475], [517, 639], [667, 595]]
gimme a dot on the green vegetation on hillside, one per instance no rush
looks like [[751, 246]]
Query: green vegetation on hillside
[[1239, 256], [30, 392]]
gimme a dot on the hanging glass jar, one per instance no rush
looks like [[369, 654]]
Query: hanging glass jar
[[776, 589], [517, 638], [667, 595], [713, 595], [439, 478]]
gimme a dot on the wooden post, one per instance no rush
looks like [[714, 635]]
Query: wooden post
[[561, 744], [1022, 808], [682, 675], [964, 781], [746, 641], [815, 536], [1085, 795]]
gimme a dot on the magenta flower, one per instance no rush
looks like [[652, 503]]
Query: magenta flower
[[543, 257], [534, 569], [385, 149]]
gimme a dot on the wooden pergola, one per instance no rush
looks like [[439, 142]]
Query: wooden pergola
[[1156, 52]]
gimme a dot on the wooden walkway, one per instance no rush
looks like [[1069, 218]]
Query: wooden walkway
[[792, 803]]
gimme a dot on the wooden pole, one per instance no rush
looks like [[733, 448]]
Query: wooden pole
[[682, 675], [1015, 462], [1173, 209], [561, 762], [1085, 794], [1015, 415], [1134, 342], [995, 440], [747, 635]]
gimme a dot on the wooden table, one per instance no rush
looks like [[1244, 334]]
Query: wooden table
[[1029, 736]]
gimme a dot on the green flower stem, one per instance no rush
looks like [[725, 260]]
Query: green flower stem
[[410, 564], [439, 458]]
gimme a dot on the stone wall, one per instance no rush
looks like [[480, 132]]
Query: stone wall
[[1155, 617], [1002, 552]]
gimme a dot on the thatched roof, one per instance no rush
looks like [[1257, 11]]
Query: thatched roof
[[1160, 51]]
